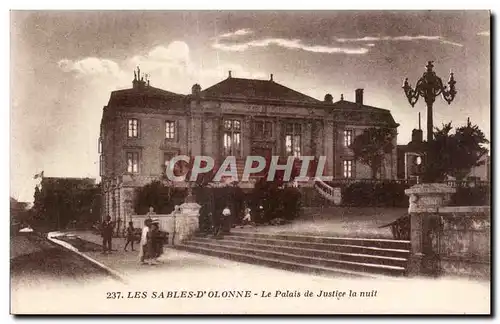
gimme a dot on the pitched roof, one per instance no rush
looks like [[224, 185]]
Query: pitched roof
[[238, 88], [148, 95], [376, 114]]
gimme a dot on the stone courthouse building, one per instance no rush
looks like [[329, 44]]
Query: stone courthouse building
[[143, 127]]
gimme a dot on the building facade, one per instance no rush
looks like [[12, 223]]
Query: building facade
[[143, 127]]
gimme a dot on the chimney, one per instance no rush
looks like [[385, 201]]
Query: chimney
[[271, 77], [195, 90], [417, 136], [359, 96], [229, 74]]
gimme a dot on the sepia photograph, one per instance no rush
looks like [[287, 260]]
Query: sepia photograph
[[189, 162]]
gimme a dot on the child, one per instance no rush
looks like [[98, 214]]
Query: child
[[247, 219], [130, 236]]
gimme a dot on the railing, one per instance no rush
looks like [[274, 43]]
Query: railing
[[467, 183], [323, 189], [347, 181]]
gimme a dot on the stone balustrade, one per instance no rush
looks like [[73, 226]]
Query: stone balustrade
[[181, 224]]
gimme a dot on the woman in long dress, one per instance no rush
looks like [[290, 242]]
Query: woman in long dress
[[143, 245]]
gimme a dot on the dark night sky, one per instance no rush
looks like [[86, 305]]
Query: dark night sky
[[64, 65]]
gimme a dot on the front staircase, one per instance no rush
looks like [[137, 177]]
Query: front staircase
[[333, 256]]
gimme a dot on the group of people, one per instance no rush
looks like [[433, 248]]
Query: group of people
[[218, 221], [150, 244]]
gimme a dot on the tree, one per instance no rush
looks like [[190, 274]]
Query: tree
[[370, 147], [456, 153]]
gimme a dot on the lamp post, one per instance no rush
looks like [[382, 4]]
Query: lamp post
[[430, 86]]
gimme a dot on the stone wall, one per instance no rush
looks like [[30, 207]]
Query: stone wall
[[463, 241], [181, 224], [451, 241]]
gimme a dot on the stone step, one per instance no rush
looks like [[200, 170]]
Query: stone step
[[319, 247], [359, 266], [377, 243], [275, 263], [311, 254]]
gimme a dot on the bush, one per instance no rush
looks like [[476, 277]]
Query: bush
[[376, 194], [277, 202], [392, 194], [472, 196], [162, 198]]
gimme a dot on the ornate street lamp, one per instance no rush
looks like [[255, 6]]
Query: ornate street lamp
[[430, 86]]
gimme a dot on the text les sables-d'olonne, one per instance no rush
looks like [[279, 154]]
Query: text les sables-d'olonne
[[165, 294]]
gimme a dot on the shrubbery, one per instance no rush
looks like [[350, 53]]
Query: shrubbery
[[379, 194], [472, 196], [162, 198], [277, 202], [391, 194]]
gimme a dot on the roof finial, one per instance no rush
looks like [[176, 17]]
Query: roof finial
[[419, 124], [229, 74], [341, 96], [271, 77]]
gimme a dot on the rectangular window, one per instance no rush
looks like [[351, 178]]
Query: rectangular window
[[348, 164], [169, 130], [263, 129], [101, 165], [133, 128], [232, 138], [347, 137], [132, 162], [293, 134]]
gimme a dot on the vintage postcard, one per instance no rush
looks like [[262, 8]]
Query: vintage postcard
[[250, 162]]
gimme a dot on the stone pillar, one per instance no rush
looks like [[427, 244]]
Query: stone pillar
[[328, 147], [307, 138], [246, 136], [186, 221], [425, 200], [196, 134], [279, 138], [208, 147]]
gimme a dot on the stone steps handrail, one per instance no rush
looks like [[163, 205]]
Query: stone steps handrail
[[323, 189]]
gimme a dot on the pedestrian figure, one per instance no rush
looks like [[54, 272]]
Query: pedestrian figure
[[143, 249], [130, 236], [247, 219], [150, 213], [221, 221], [214, 219], [153, 243], [107, 235]]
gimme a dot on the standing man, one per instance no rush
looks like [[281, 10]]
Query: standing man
[[130, 236], [150, 213], [107, 234], [225, 224]]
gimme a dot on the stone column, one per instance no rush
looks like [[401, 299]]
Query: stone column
[[186, 221], [280, 151], [307, 138], [425, 200], [328, 147], [196, 134], [246, 136], [208, 148]]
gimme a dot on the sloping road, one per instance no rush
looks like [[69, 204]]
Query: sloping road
[[34, 259]]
